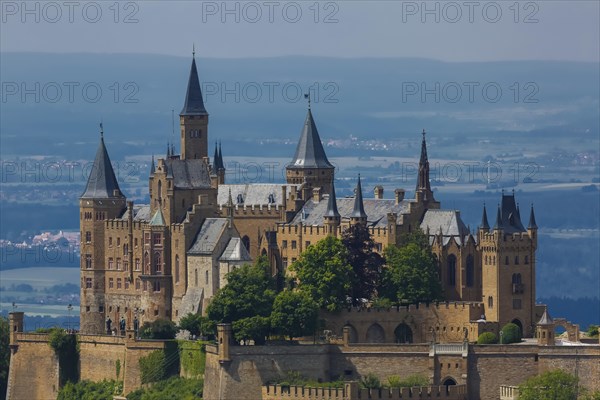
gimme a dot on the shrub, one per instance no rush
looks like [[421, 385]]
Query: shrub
[[592, 331], [551, 385], [511, 333], [86, 390], [67, 350], [153, 367], [487, 338], [172, 388], [370, 382], [159, 329]]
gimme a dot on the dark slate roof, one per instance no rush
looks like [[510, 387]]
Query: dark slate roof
[[498, 224], [511, 218], [448, 222], [189, 173], [235, 251], [152, 167], [310, 152], [102, 181], [221, 164], [484, 219], [257, 194], [376, 209], [209, 236], [332, 210], [532, 224], [141, 212], [359, 208], [194, 104]]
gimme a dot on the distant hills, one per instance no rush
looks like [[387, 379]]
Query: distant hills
[[51, 103]]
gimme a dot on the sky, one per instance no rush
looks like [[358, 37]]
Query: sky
[[452, 31]]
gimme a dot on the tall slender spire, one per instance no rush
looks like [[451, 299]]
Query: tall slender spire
[[221, 163], [532, 224], [152, 166], [484, 219], [359, 207], [332, 210], [423, 178], [194, 104], [102, 182], [498, 224], [216, 158]]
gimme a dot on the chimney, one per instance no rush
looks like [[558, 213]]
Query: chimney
[[378, 192], [317, 195], [399, 195]]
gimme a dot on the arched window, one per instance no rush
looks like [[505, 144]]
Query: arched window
[[490, 302], [353, 334], [516, 278], [375, 334], [403, 334], [177, 268], [470, 271], [146, 263], [246, 242], [526, 259], [157, 262], [452, 270], [196, 277], [516, 260]]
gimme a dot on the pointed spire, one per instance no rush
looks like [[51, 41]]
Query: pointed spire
[[332, 210], [532, 223], [484, 219], [194, 104], [152, 166], [498, 224], [310, 152], [216, 158], [168, 150], [221, 163], [546, 318], [359, 207], [102, 182], [230, 210], [423, 178]]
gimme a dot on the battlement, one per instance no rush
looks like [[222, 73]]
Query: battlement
[[471, 306], [351, 391]]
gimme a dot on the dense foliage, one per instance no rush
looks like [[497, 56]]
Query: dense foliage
[[487, 338], [196, 324], [366, 263], [395, 381], [324, 273], [86, 390], [411, 275], [254, 328], [510, 333], [67, 350], [294, 314], [160, 364], [551, 385], [4, 355], [172, 388], [192, 358], [158, 329], [371, 381]]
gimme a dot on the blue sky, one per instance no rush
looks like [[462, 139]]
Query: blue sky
[[449, 31]]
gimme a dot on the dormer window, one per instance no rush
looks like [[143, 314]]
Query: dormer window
[[271, 198], [240, 199]]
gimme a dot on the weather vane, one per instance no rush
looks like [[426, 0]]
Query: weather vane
[[307, 96]]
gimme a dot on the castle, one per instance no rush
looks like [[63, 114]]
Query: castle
[[168, 258]]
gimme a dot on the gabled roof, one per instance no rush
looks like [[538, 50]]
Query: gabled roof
[[310, 152], [235, 251], [312, 213], [448, 222], [188, 173], [208, 236], [194, 104], [102, 182]]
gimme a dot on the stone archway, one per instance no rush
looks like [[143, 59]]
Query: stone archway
[[403, 334], [375, 334], [518, 323], [353, 337], [449, 381]]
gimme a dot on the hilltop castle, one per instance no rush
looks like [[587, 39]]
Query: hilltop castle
[[168, 258]]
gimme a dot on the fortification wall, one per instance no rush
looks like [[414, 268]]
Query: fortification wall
[[135, 350], [98, 357], [33, 373], [582, 361]]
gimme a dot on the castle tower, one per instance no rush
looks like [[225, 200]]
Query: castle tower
[[508, 268], [545, 330], [358, 215], [193, 120], [332, 218], [101, 200], [310, 164]]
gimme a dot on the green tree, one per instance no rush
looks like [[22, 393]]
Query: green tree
[[592, 331], [250, 291], [158, 329], [510, 333], [67, 350], [294, 314], [254, 328], [411, 274], [4, 355], [551, 385], [172, 388], [365, 261], [196, 324], [86, 390], [324, 273]]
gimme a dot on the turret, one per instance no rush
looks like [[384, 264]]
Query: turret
[[532, 228], [193, 120], [423, 191], [545, 330], [485, 226], [358, 215], [332, 218]]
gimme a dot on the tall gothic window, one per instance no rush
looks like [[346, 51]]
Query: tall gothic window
[[177, 269], [452, 270], [470, 271]]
